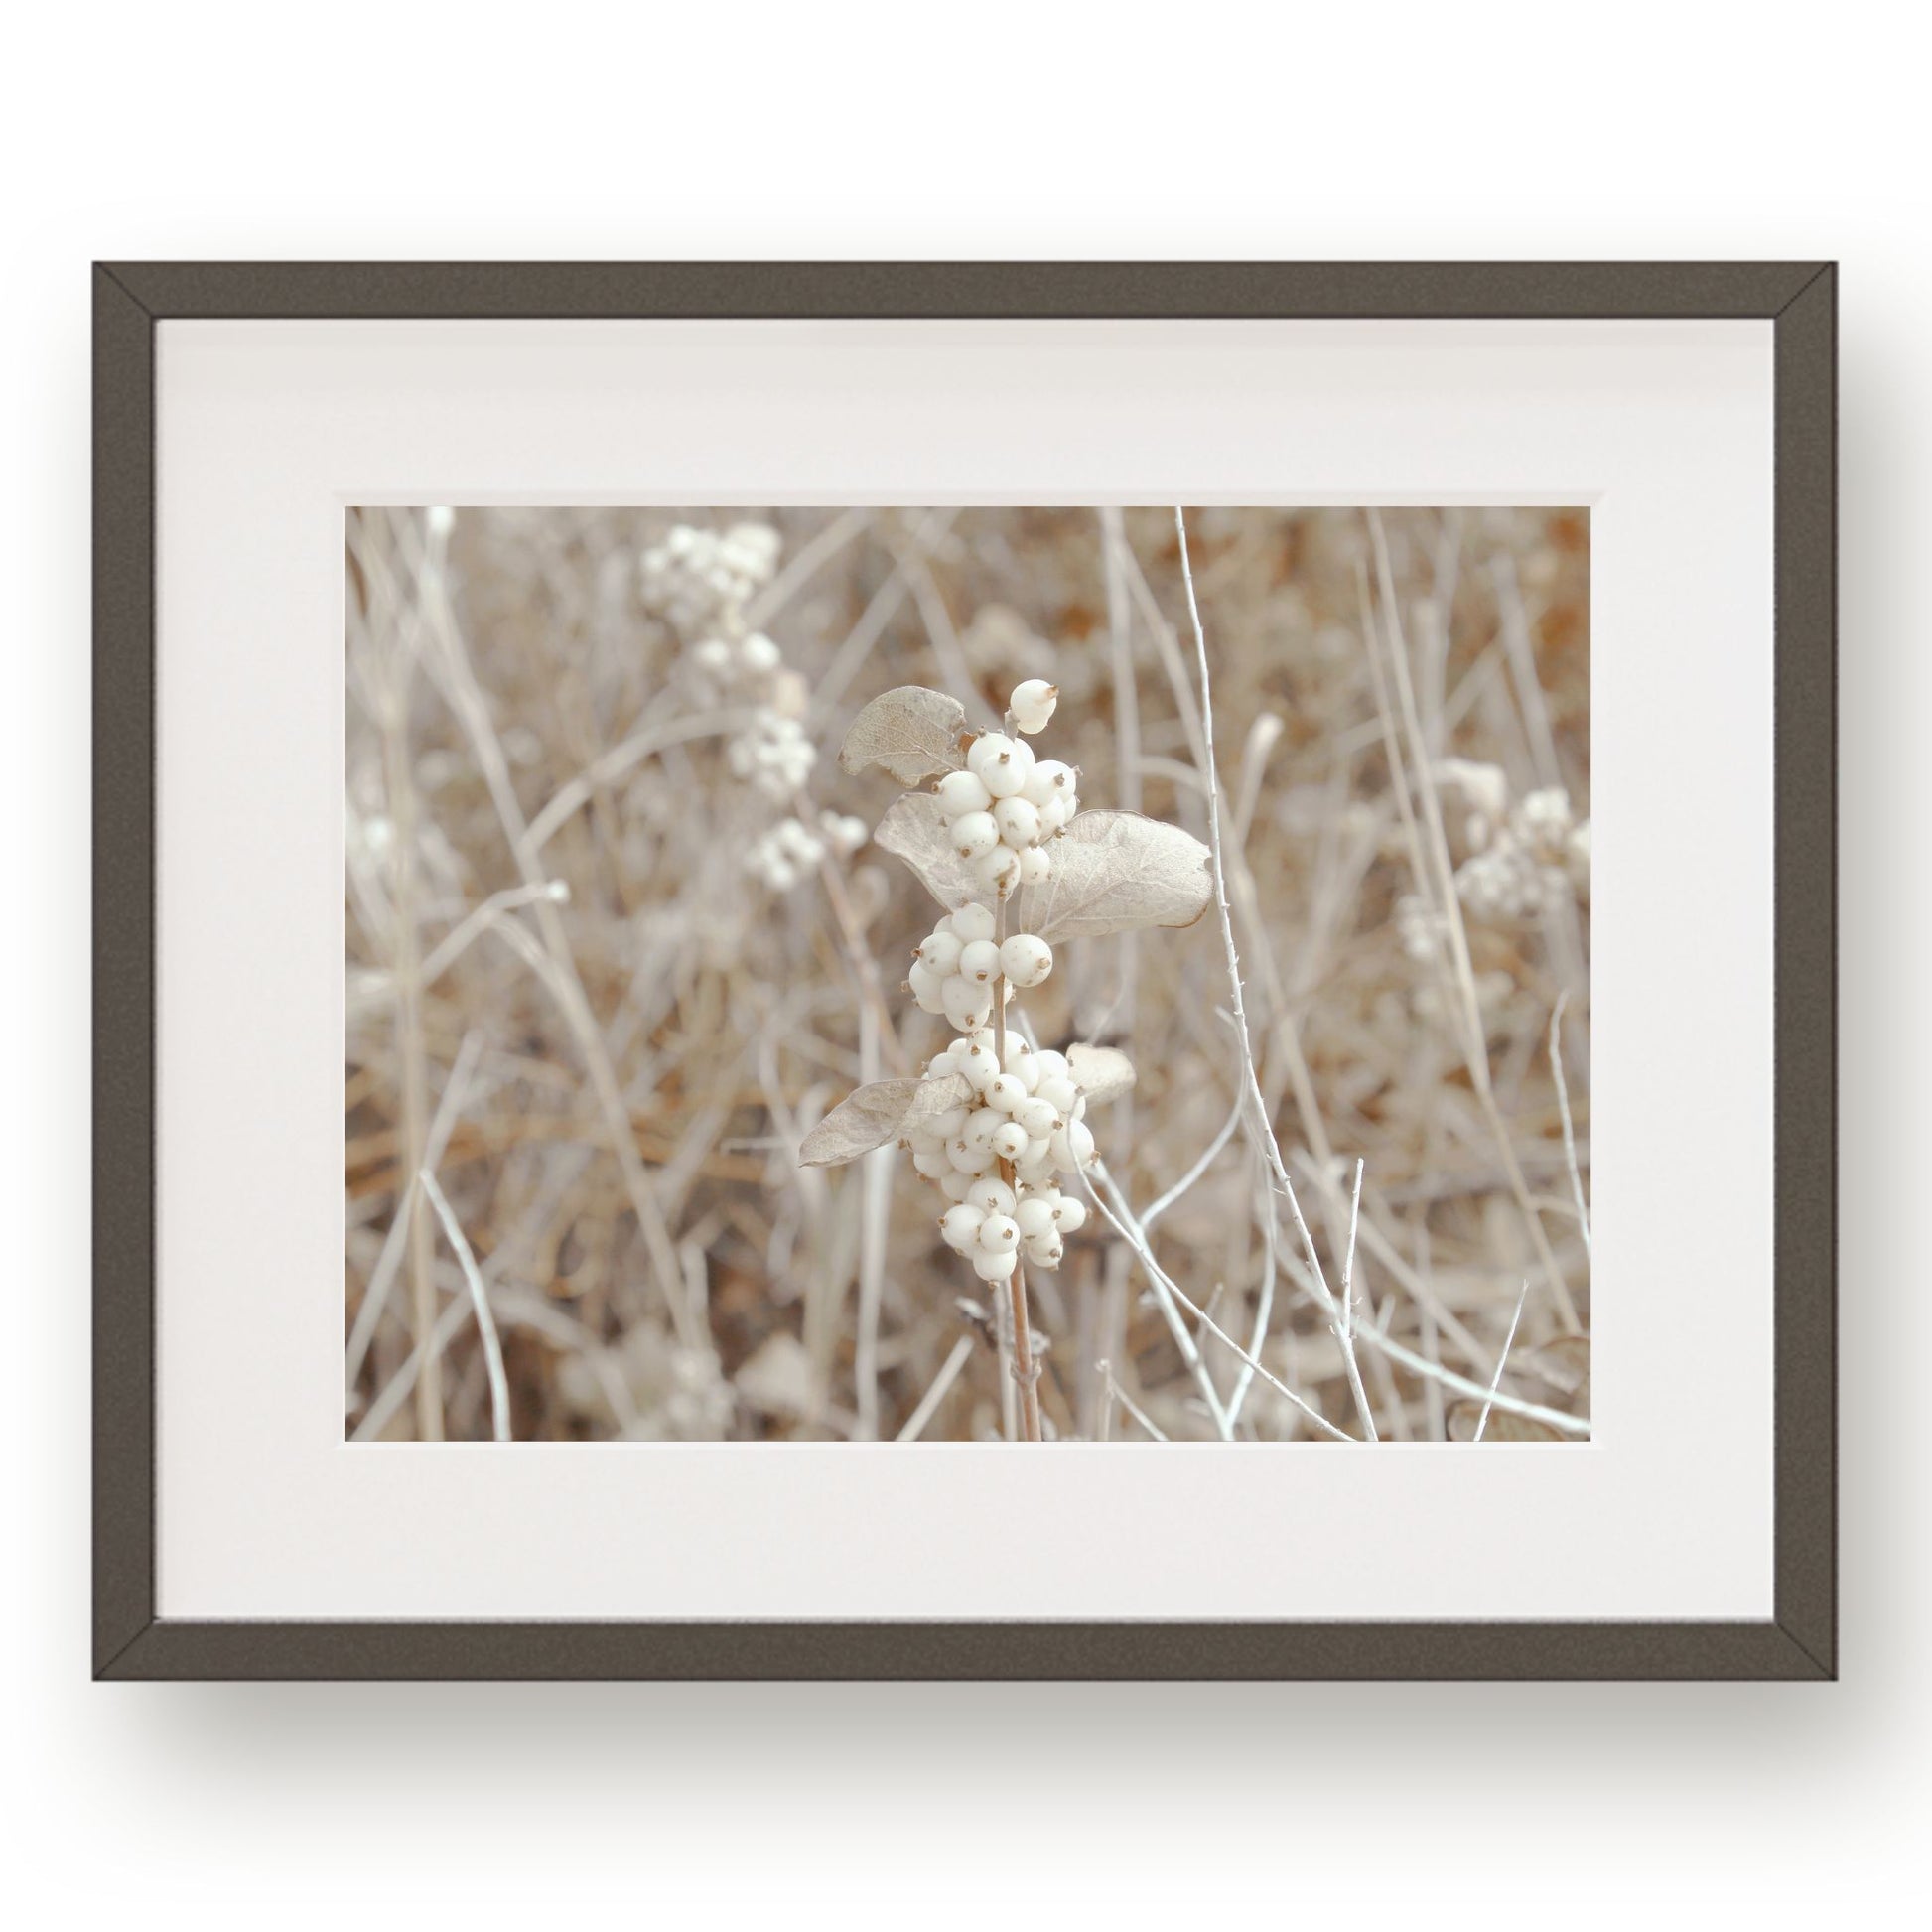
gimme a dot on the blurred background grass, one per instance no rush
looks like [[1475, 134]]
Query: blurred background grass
[[572, 997]]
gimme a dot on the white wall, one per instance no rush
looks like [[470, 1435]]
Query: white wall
[[207, 130]]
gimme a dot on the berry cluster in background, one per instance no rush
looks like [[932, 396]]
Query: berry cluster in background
[[702, 583]]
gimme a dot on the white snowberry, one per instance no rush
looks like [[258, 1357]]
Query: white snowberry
[[979, 961], [959, 792], [940, 951], [974, 922], [1049, 780], [846, 834], [1025, 960], [1032, 705], [992, 1195], [998, 871], [969, 1160], [1006, 1093], [966, 1005], [998, 1231], [1072, 1145], [928, 986], [1019, 823], [1006, 777], [988, 748], [760, 655], [977, 1063], [1061, 1090], [1035, 1216], [959, 1226], [974, 833]]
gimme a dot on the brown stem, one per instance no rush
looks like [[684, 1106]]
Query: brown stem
[[1025, 1368]]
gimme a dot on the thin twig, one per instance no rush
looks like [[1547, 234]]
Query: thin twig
[[1121, 1223], [1509, 1341], [804, 564], [929, 1402], [463, 936], [1556, 1418], [1264, 1308], [1116, 1393], [875, 1210], [1348, 1258], [1201, 1166], [499, 1388], [454, 1089], [570, 798], [1261, 1127], [1126, 730], [1563, 1104], [1167, 1296], [408, 974]]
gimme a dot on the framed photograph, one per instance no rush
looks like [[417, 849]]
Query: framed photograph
[[945, 970]]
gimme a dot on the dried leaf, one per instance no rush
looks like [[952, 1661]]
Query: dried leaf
[[915, 829], [1117, 872], [1102, 1074], [1503, 1426], [937, 1095], [877, 1114], [913, 732], [1563, 1362], [1565, 1365]]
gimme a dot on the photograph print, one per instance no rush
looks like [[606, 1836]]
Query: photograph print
[[1109, 974]]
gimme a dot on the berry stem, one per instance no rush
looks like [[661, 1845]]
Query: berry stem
[[1022, 1344]]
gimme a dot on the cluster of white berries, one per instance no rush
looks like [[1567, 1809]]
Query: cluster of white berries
[[735, 666], [1007, 806], [1422, 930], [1027, 1115], [1001, 1156], [700, 580], [960, 963], [696, 577], [787, 853], [1522, 861], [1543, 822], [774, 754], [1531, 862]]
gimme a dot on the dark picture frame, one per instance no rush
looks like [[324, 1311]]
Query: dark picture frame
[[1800, 1640]]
